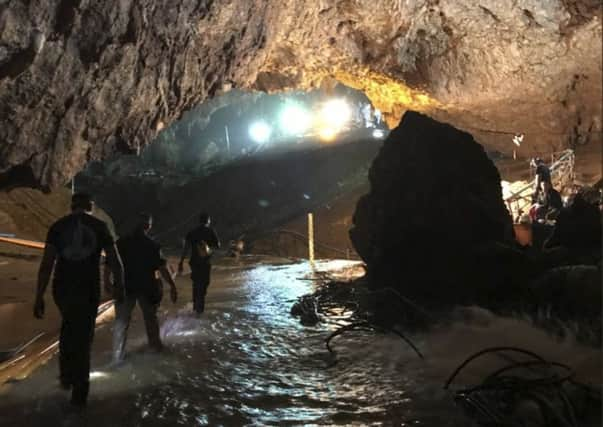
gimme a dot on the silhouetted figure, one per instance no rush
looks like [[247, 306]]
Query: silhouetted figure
[[235, 248], [543, 174], [73, 249], [198, 246], [142, 261], [549, 202]]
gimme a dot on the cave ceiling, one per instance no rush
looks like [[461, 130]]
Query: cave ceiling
[[83, 79]]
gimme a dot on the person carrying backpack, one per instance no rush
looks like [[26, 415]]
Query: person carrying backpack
[[198, 246], [73, 251]]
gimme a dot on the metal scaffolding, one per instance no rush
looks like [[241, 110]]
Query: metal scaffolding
[[562, 175]]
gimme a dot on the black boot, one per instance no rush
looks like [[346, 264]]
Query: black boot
[[79, 394]]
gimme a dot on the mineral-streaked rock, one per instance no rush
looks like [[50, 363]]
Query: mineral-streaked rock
[[80, 79]]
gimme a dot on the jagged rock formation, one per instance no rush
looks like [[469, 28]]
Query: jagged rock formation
[[434, 216], [81, 79]]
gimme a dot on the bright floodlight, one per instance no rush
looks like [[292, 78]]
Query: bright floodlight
[[295, 119], [327, 134], [336, 113], [378, 133], [259, 132]]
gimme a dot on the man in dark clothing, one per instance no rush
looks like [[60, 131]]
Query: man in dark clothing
[[73, 250], [142, 260], [549, 202], [198, 245], [543, 174]]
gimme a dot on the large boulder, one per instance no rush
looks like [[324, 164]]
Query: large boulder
[[434, 224]]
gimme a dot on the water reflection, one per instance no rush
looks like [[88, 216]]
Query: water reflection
[[247, 361]]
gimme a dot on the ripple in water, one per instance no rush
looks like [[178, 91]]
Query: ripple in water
[[248, 362]]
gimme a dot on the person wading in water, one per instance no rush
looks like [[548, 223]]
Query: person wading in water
[[73, 250], [142, 261], [198, 245]]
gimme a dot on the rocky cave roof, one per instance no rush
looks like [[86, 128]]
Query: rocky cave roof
[[81, 79]]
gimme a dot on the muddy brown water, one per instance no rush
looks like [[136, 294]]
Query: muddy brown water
[[248, 362]]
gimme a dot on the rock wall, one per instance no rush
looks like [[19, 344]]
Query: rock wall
[[28, 213], [434, 209], [80, 79]]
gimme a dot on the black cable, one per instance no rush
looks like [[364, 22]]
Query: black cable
[[409, 342], [365, 326], [499, 391], [487, 351], [550, 409], [478, 404], [530, 363], [569, 407]]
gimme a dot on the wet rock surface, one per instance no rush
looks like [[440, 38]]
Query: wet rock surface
[[80, 80], [434, 217]]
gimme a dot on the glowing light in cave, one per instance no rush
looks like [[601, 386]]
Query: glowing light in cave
[[333, 118], [336, 112], [295, 119], [260, 132], [327, 134]]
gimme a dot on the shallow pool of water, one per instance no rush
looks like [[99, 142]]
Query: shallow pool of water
[[248, 362]]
